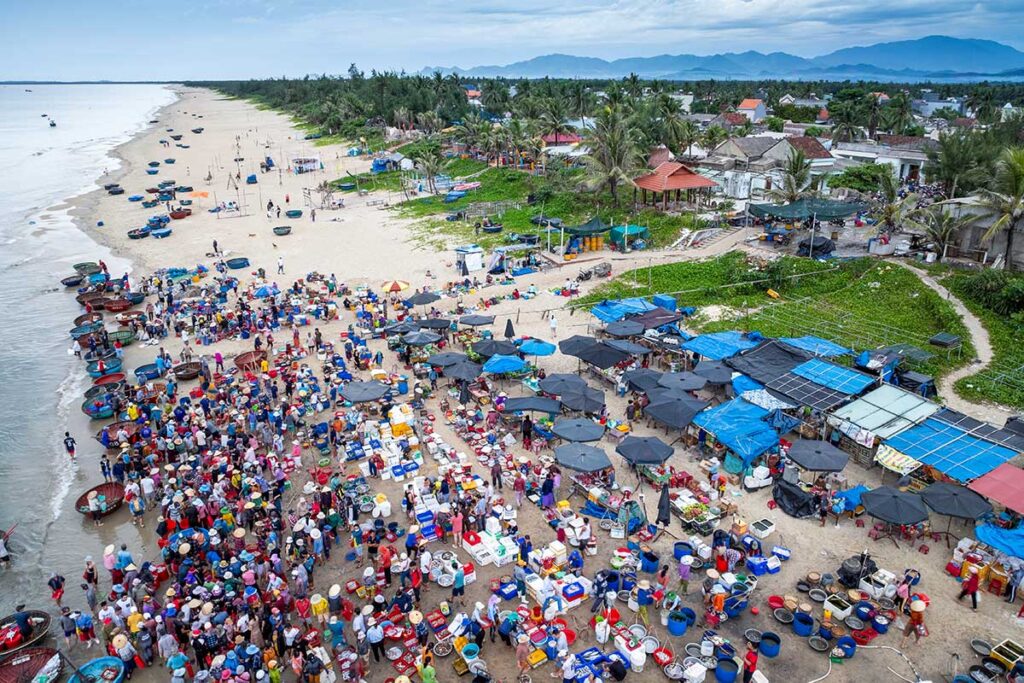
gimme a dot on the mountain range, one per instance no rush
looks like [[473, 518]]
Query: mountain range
[[940, 58]]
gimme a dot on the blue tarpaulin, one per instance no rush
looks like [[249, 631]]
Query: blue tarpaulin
[[742, 383], [499, 364], [850, 497], [950, 450], [719, 345], [737, 424], [833, 376], [817, 346], [1009, 541], [610, 311]]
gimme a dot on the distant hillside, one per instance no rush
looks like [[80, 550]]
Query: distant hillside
[[932, 57]]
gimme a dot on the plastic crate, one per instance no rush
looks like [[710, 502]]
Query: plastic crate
[[508, 592], [573, 591], [781, 552]]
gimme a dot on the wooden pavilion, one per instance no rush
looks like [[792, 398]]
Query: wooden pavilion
[[668, 178]]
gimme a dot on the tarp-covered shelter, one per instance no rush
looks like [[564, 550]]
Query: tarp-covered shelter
[[1004, 485], [983, 430], [656, 317], [834, 376], [594, 226], [738, 425], [802, 209], [793, 500], [1008, 541], [624, 234], [951, 450], [817, 346], [719, 345], [882, 413], [609, 311], [768, 361]]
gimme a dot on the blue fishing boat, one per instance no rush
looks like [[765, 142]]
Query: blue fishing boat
[[165, 197], [98, 408], [147, 372], [110, 367], [183, 188], [453, 197], [97, 278], [237, 263], [138, 233], [82, 330], [116, 191], [135, 297], [151, 171], [150, 204], [168, 161], [136, 198], [101, 670], [293, 213], [154, 164], [160, 233]]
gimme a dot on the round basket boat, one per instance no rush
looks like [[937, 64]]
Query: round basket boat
[[87, 268], [293, 213], [99, 303], [237, 263], [99, 353], [282, 230], [160, 233], [250, 360], [117, 305], [72, 280], [36, 664], [112, 378], [86, 318], [178, 215], [187, 371], [112, 366], [138, 233], [98, 409], [85, 297], [147, 372], [130, 428], [127, 317], [112, 497], [40, 622], [124, 337], [135, 297]]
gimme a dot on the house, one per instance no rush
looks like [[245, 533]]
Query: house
[[685, 100], [970, 244], [741, 152], [473, 95], [753, 109], [821, 159], [1008, 111], [906, 154], [555, 139], [930, 102], [728, 120], [883, 98], [750, 167], [812, 101], [964, 122]]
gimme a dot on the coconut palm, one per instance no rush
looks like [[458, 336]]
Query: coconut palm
[[552, 120], [960, 162], [402, 118], [1003, 201], [713, 137], [845, 126], [613, 155], [796, 179], [430, 165], [429, 122], [872, 110], [891, 209], [581, 101], [688, 135], [898, 114], [470, 130], [941, 226]]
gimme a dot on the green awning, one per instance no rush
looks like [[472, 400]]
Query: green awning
[[822, 209], [594, 226]]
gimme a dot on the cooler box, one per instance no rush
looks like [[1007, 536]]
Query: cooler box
[[758, 566], [781, 552], [774, 564], [573, 591]]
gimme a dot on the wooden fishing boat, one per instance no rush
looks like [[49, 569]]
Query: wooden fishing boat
[[87, 296], [183, 188], [237, 263], [88, 328], [293, 213], [282, 230], [160, 233], [168, 161], [112, 497], [35, 664], [185, 202], [138, 234], [112, 366], [112, 378], [150, 204], [116, 191], [72, 281], [144, 373], [101, 391], [153, 164], [153, 190], [86, 268], [153, 391], [178, 215], [250, 360], [99, 303], [125, 319], [125, 337], [86, 318], [187, 371], [151, 171], [40, 622], [98, 408], [117, 305], [99, 353]]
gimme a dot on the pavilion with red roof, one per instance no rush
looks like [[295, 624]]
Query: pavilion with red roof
[[669, 177]]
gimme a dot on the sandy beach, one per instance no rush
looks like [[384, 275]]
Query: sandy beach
[[365, 244]]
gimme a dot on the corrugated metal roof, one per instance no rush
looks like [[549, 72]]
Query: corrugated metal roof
[[887, 411]]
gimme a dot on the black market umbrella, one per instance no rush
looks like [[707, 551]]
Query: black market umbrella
[[560, 383], [675, 412], [433, 323], [662, 394], [465, 371], [494, 347], [624, 328], [955, 501], [716, 372], [420, 338], [578, 429], [581, 457], [538, 404], [447, 358], [401, 327], [363, 392], [626, 346], [818, 456], [476, 320], [644, 450], [510, 332], [575, 344], [587, 399], [422, 299], [894, 506], [642, 379], [682, 381], [464, 397], [664, 507], [602, 356]]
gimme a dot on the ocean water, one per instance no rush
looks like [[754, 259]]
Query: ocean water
[[41, 169]]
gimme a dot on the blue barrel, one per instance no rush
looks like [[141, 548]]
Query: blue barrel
[[681, 549], [848, 645], [725, 651], [691, 616], [726, 671], [245, 333], [613, 580], [403, 384], [880, 624], [803, 624], [648, 562], [627, 581], [770, 645], [825, 632], [677, 624], [863, 611]]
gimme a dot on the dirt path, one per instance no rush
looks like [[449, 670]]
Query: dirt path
[[983, 348]]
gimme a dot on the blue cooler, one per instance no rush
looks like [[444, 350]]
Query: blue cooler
[[403, 384], [758, 566]]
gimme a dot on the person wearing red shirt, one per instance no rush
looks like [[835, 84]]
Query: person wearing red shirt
[[970, 587], [416, 580], [749, 663]]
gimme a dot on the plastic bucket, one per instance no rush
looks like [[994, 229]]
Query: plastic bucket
[[613, 581], [848, 645], [677, 624], [770, 645], [664, 617], [648, 562], [880, 624], [863, 611], [725, 651], [825, 632], [691, 616], [803, 624], [470, 652], [681, 549], [726, 671]]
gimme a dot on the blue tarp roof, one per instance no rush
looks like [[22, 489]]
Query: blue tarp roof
[[741, 383], [609, 311], [719, 345], [738, 425], [950, 450], [833, 376], [817, 346], [1009, 541], [851, 496]]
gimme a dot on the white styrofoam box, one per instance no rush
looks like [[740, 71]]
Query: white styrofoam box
[[728, 578], [503, 560], [558, 548], [364, 468], [762, 528], [492, 525]]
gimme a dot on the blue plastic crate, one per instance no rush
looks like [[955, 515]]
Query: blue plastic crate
[[758, 566], [425, 517], [508, 592], [592, 655], [572, 591], [411, 466]]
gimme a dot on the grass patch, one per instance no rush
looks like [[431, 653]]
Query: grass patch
[[460, 168]]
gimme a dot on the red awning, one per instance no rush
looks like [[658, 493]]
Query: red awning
[[672, 175], [1003, 485]]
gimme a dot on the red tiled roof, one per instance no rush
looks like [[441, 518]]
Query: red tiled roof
[[734, 119], [823, 114], [670, 176], [562, 139], [811, 148], [749, 103]]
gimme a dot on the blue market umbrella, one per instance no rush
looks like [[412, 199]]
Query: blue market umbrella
[[682, 381], [499, 364], [642, 379], [474, 320], [493, 347], [420, 338], [447, 358], [584, 398], [624, 328], [559, 383], [538, 404], [577, 429], [363, 392], [581, 457], [465, 371], [537, 347], [644, 450]]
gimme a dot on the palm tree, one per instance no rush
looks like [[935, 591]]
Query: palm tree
[[581, 101], [633, 85], [431, 164], [713, 137], [941, 226], [429, 122], [743, 130], [898, 114], [688, 135], [796, 179], [959, 163], [613, 155], [891, 210], [402, 118], [552, 119], [872, 113], [981, 102], [1004, 200], [844, 123]]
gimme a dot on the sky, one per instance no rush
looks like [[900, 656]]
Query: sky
[[231, 39]]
